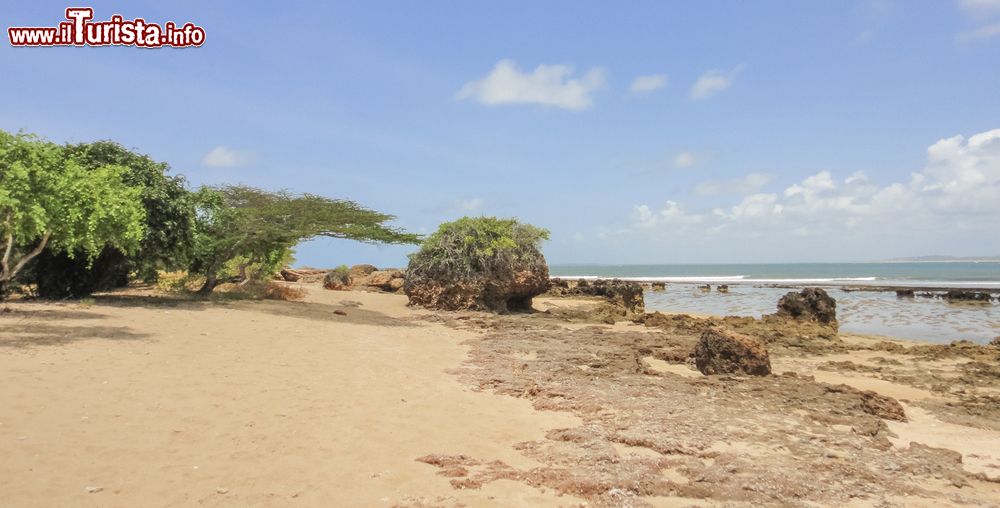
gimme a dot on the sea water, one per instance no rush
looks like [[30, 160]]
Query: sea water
[[751, 293]]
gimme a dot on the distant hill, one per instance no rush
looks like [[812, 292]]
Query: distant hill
[[944, 259]]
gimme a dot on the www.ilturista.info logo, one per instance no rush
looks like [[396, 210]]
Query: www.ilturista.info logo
[[81, 31]]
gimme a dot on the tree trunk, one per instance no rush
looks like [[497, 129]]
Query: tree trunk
[[211, 281]]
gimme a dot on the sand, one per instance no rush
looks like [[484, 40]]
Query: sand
[[266, 403], [132, 400]]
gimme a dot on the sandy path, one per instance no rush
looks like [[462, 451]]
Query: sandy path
[[246, 404]]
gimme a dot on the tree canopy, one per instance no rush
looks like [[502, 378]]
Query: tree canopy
[[260, 226], [49, 199]]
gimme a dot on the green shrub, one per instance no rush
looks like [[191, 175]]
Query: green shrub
[[478, 245]]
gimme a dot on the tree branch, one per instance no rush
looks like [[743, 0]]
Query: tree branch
[[28, 257]]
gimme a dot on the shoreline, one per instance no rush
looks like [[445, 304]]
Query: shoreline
[[849, 285]]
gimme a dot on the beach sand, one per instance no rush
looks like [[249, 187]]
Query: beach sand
[[254, 403], [132, 400]]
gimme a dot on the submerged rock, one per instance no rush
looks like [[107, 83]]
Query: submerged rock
[[721, 351], [810, 304], [904, 293]]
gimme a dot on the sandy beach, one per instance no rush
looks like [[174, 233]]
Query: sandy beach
[[138, 399]]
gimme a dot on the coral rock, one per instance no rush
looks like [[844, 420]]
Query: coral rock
[[720, 351]]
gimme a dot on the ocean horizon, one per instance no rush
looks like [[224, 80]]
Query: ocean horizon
[[972, 274]]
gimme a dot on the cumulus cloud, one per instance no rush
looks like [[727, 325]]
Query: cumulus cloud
[[548, 85], [713, 82], [684, 160], [646, 84], [958, 187], [225, 157]]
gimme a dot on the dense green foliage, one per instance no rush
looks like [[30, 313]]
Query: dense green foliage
[[165, 244], [49, 199], [478, 245], [260, 226]]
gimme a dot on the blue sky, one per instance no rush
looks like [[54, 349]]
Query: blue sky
[[638, 132]]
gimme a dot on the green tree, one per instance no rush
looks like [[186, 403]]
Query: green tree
[[48, 199], [165, 245], [259, 227]]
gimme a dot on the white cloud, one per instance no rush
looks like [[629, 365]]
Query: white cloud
[[713, 82], [549, 85], [959, 187], [225, 157], [980, 6], [646, 84], [981, 33], [684, 160]]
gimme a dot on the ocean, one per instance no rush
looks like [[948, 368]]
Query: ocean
[[752, 293]]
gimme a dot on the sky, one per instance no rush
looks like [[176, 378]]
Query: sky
[[636, 132]]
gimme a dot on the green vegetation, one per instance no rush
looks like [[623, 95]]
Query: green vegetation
[[80, 218], [50, 199], [478, 245], [239, 221], [165, 244]]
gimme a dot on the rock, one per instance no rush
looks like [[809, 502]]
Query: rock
[[362, 270], [624, 294], [337, 280], [659, 286], [967, 296], [94, 490], [882, 406], [397, 284], [904, 293], [996, 341], [721, 351], [382, 278], [308, 275], [723, 288], [706, 288], [498, 293], [557, 284], [810, 304], [340, 312]]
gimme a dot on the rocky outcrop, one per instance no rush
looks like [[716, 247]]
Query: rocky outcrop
[[624, 294], [337, 280], [963, 295], [385, 280], [810, 304], [360, 273], [721, 351], [305, 275], [904, 293], [491, 292]]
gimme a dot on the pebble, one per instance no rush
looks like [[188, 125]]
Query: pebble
[[94, 490]]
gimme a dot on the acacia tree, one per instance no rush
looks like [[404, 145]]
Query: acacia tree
[[261, 227], [49, 200]]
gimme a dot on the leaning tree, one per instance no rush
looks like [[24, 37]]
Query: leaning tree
[[243, 226], [49, 200]]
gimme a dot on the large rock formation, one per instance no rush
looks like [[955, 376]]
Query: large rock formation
[[810, 304], [965, 295], [721, 351], [498, 293], [480, 263]]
